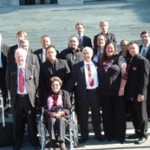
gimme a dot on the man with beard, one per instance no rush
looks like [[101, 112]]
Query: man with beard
[[72, 54]]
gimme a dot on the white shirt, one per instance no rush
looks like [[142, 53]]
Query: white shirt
[[94, 74], [25, 88], [43, 55]]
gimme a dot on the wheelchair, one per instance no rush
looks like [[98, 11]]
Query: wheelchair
[[71, 135]]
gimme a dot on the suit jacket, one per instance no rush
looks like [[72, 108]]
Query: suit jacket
[[31, 78], [11, 54], [78, 76], [86, 42], [60, 69], [110, 37], [148, 52], [138, 76], [39, 55], [39, 52]]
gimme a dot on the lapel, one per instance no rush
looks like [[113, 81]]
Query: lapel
[[28, 72], [82, 72], [40, 54]]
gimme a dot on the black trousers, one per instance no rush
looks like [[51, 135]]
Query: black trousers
[[23, 109], [139, 116], [91, 102], [113, 110]]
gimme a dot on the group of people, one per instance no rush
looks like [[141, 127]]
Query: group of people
[[92, 78]]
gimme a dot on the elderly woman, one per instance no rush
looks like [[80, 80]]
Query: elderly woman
[[58, 105], [112, 71]]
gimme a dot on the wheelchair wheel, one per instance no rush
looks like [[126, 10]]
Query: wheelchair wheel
[[42, 137], [75, 130]]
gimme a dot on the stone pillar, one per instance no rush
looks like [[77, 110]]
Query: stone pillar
[[69, 2], [14, 2]]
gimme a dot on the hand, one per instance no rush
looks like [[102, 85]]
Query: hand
[[52, 114], [140, 98], [121, 92]]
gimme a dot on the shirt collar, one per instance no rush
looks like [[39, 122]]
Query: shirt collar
[[86, 63]]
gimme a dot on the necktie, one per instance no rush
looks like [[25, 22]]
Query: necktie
[[80, 42], [90, 76], [21, 80], [144, 51]]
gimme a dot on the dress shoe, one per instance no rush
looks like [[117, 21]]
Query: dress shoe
[[83, 140], [100, 139], [141, 140], [63, 146], [133, 136]]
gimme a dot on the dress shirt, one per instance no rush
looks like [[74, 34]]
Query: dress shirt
[[94, 74], [25, 88], [43, 55]]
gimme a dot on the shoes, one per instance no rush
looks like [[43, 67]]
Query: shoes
[[100, 139], [63, 146], [38, 147], [141, 140], [133, 136], [83, 140]]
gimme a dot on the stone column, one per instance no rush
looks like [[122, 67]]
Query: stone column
[[13, 2], [69, 2]]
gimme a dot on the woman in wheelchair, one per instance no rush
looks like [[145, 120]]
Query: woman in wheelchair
[[59, 106]]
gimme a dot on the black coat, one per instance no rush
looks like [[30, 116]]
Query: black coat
[[138, 77]]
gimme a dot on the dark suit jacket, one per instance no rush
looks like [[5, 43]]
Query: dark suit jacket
[[138, 76], [4, 49], [31, 82], [148, 52], [110, 37], [60, 69], [86, 42], [78, 75], [39, 55], [38, 52], [11, 54]]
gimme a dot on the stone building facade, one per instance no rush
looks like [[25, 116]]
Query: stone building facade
[[36, 2]]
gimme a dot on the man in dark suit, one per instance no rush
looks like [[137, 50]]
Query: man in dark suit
[[136, 92], [21, 35], [85, 75], [83, 40], [3, 65], [110, 37], [41, 53], [145, 52], [22, 82], [52, 67]]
